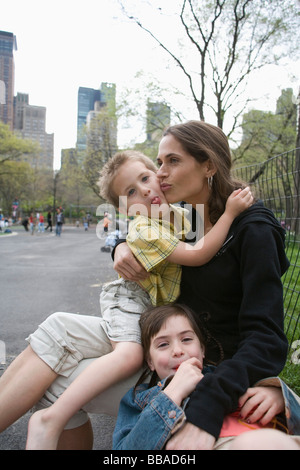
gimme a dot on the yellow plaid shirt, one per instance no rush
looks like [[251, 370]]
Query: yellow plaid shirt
[[152, 241]]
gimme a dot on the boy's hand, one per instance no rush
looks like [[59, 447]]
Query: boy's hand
[[187, 376], [238, 201], [261, 404]]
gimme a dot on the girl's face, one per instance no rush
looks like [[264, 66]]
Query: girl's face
[[182, 177], [174, 343]]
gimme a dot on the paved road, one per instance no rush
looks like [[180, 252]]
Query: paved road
[[42, 274]]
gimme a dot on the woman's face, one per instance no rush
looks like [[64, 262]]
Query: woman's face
[[182, 177]]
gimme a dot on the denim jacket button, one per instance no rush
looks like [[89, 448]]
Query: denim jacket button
[[172, 414]]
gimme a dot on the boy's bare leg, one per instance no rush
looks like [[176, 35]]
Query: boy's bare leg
[[23, 383], [45, 426]]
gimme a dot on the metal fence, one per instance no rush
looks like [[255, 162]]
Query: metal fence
[[277, 182]]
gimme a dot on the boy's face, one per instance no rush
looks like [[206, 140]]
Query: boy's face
[[139, 190]]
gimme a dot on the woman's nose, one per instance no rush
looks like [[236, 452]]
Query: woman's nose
[[161, 171]]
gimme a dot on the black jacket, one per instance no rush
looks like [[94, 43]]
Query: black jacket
[[241, 290]]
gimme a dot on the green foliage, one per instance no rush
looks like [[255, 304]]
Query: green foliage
[[266, 134], [101, 144], [12, 147]]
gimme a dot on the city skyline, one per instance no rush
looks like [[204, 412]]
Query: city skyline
[[66, 45]]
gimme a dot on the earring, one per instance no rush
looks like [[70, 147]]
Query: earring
[[210, 181]]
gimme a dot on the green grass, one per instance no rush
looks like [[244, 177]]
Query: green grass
[[291, 283]]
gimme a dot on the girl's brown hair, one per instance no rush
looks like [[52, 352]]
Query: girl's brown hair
[[204, 142]]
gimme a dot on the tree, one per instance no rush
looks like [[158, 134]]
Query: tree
[[16, 175], [223, 42], [266, 134], [101, 144], [12, 148], [74, 188]]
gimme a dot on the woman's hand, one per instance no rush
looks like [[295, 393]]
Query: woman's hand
[[127, 265], [187, 376], [261, 404], [189, 437]]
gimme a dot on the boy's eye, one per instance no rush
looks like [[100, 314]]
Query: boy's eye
[[145, 178], [131, 192]]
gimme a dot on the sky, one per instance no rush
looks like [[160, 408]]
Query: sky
[[65, 44]]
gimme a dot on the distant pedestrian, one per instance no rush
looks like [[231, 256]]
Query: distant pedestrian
[[41, 223], [49, 221], [32, 223], [59, 222], [106, 223], [25, 223]]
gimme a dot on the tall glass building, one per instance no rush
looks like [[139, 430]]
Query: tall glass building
[[8, 44], [90, 100]]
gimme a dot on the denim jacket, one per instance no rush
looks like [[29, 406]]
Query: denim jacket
[[148, 417]]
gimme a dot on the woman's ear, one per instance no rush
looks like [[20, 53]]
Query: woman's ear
[[211, 170]]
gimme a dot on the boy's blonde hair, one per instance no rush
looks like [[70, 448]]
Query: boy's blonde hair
[[111, 169]]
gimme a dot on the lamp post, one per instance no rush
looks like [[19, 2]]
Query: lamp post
[[55, 178]]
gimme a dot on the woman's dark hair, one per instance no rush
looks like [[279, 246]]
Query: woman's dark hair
[[204, 142], [152, 320]]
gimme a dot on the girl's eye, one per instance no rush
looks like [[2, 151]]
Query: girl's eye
[[145, 178], [186, 340], [162, 345], [131, 192]]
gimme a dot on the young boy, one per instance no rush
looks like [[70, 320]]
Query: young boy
[[129, 181]]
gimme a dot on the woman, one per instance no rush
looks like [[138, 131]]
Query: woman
[[240, 288], [243, 298]]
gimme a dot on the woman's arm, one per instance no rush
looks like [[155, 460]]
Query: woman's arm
[[204, 250], [262, 345]]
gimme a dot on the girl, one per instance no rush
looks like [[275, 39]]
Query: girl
[[152, 412]]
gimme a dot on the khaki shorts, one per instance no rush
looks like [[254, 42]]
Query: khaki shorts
[[68, 343], [121, 304]]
